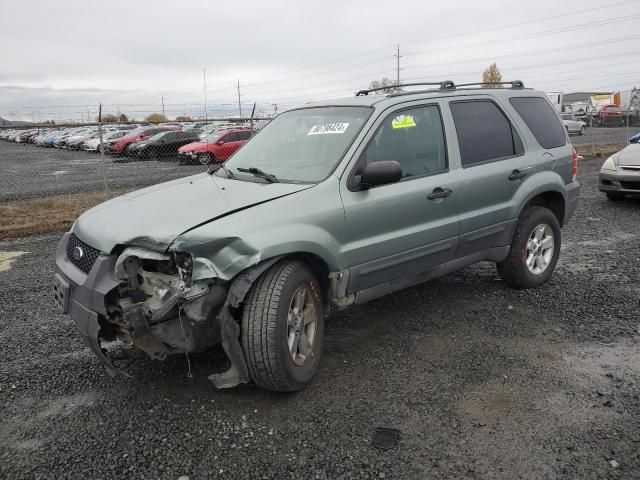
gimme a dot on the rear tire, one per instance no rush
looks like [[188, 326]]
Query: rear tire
[[615, 196], [583, 130], [535, 249], [283, 327]]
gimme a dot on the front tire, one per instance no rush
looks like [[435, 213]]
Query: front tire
[[206, 159], [615, 196], [283, 327], [535, 249]]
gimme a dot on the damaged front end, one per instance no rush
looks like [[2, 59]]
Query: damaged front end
[[160, 303]]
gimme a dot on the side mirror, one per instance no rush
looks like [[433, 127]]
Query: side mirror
[[380, 173]]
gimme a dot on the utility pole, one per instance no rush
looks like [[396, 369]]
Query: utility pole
[[162, 105], [398, 56], [204, 79], [239, 104]]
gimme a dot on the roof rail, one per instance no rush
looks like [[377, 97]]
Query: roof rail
[[518, 84], [444, 85]]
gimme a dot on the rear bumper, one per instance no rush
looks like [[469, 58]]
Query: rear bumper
[[82, 297], [571, 200], [617, 181]]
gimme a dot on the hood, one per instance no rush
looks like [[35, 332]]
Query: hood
[[153, 217], [194, 147], [629, 155]]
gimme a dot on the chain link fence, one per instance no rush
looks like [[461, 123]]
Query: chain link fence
[[51, 173]]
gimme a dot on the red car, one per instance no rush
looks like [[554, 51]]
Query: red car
[[142, 133], [216, 147]]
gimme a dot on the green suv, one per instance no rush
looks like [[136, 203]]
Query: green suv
[[331, 204]]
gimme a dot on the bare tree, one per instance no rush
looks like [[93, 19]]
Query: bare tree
[[492, 75], [390, 86]]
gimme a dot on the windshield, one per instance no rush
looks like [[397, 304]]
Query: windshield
[[136, 132], [157, 136], [302, 145], [212, 137]]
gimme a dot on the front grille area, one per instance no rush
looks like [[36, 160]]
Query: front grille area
[[81, 255], [630, 185]]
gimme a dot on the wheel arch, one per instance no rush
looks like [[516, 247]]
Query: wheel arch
[[551, 199]]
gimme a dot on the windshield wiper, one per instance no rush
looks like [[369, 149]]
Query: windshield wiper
[[214, 168], [260, 173]]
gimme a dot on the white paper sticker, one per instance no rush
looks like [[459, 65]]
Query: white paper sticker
[[326, 128]]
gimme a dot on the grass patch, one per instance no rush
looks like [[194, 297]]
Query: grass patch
[[44, 215], [598, 151]]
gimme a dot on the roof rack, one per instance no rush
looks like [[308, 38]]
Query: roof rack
[[444, 85], [517, 84]]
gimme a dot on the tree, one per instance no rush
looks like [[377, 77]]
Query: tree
[[156, 118], [183, 118], [391, 86], [492, 75], [123, 118], [109, 118]]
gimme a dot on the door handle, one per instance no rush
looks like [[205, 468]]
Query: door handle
[[439, 192], [517, 175]]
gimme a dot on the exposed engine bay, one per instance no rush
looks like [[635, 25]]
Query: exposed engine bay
[[162, 308]]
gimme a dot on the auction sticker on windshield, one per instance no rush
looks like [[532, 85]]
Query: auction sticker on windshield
[[326, 128], [403, 121]]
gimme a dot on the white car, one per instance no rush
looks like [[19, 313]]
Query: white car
[[572, 124], [92, 144]]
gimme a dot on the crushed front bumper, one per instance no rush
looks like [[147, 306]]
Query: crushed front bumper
[[82, 296]]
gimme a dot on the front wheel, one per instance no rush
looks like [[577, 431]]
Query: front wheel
[[206, 158], [535, 248], [283, 327], [615, 196]]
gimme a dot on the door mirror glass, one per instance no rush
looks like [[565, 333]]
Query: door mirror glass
[[380, 173]]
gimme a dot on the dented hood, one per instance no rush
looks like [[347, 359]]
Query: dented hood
[[154, 216]]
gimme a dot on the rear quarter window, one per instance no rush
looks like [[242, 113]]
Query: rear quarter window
[[541, 119]]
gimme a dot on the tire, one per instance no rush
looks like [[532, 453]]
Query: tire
[[583, 130], [515, 269], [206, 159], [615, 196], [268, 336]]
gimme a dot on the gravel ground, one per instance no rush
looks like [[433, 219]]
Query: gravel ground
[[29, 171], [484, 382]]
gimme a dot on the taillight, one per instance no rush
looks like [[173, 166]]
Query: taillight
[[574, 164]]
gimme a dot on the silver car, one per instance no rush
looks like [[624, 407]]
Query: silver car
[[620, 173], [572, 124]]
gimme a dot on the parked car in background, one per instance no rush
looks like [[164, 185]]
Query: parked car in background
[[572, 124], [163, 144], [620, 173], [143, 133], [217, 147], [607, 115], [635, 138], [92, 144]]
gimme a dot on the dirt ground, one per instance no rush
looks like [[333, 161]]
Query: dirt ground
[[483, 381]]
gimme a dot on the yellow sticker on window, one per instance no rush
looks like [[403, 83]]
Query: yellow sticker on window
[[403, 121]]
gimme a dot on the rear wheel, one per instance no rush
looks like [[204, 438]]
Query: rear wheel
[[615, 196], [283, 327], [583, 130], [535, 248]]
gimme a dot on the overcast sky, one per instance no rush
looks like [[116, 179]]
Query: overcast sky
[[60, 58]]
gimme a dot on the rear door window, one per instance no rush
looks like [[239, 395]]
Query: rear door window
[[484, 132], [541, 119]]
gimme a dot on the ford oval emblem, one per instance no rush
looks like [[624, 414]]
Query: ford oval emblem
[[77, 253]]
